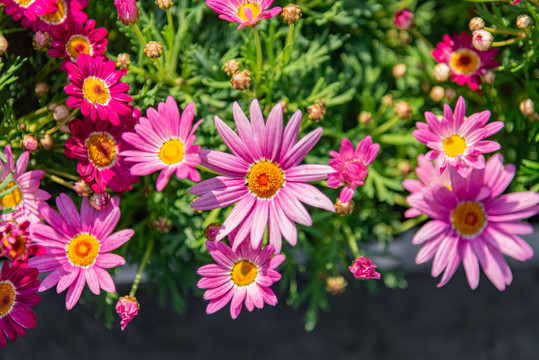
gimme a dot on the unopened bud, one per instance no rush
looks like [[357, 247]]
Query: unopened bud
[[489, 77], [123, 61], [450, 94], [127, 307], [344, 208], [403, 110], [399, 70], [30, 142], [52, 106], [291, 14], [3, 44], [437, 93], [22, 127], [65, 129], [527, 107], [61, 112], [404, 37], [523, 21], [482, 40], [241, 80], [211, 231], [534, 117], [387, 100], [47, 142], [284, 105], [316, 112], [153, 49], [336, 284], [365, 118], [164, 4], [180, 81], [163, 225], [476, 24], [231, 67], [404, 167], [403, 19], [127, 11], [42, 41], [41, 88], [441, 72], [99, 201], [83, 188]]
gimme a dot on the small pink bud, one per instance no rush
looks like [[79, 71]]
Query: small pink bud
[[403, 19], [482, 40], [127, 307], [99, 201], [127, 11], [83, 188], [30, 142], [42, 40], [211, 231], [363, 268]]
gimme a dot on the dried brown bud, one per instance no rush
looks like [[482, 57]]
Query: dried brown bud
[[123, 61], [42, 41], [61, 112], [164, 4], [47, 142], [231, 67], [83, 188], [322, 104], [153, 49], [399, 70], [291, 14], [437, 93], [316, 112], [404, 167], [482, 40], [30, 142], [344, 208], [99, 201], [403, 110], [387, 100], [450, 94], [365, 118], [3, 44], [476, 24], [489, 77], [336, 284], [441, 72], [240, 80], [41, 88], [527, 107], [523, 21], [211, 231]]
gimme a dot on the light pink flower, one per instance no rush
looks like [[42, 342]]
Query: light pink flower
[[244, 12], [263, 176], [351, 166], [78, 247], [127, 307], [457, 141], [363, 268], [474, 224]]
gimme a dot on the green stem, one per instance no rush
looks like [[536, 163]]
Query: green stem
[[54, 129], [57, 172], [258, 54], [38, 112], [60, 181], [385, 126], [139, 35], [508, 32], [170, 38], [507, 42], [421, 36], [535, 2], [289, 41], [143, 262]]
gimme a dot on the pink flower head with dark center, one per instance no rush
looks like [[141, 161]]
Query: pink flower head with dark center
[[29, 8], [363, 268], [238, 276], [96, 88], [65, 9], [457, 141], [475, 224], [465, 61], [403, 19], [18, 286], [351, 166], [244, 12], [127, 11], [25, 199], [75, 39], [164, 141], [78, 247], [97, 146], [16, 242], [263, 176], [127, 307]]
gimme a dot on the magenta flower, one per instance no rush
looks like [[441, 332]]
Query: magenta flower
[[472, 223], [164, 142], [77, 247], [245, 274], [16, 243], [244, 12], [18, 288], [97, 89], [127, 307], [403, 19], [127, 11], [66, 9], [97, 146], [263, 176], [29, 8], [74, 39], [351, 166], [464, 60], [457, 141], [363, 268], [26, 199]]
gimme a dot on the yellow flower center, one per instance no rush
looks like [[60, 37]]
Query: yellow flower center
[[95, 90], [82, 250], [468, 218], [264, 179], [465, 61], [101, 150], [7, 297], [171, 152], [57, 16], [77, 45], [454, 145], [12, 199], [25, 3], [255, 10], [244, 273]]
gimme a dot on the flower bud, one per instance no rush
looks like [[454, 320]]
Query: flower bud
[[344, 208], [450, 94], [127, 307], [83, 188], [52, 105], [399, 70], [65, 129], [153, 49], [437, 93], [441, 72], [404, 167], [316, 112], [482, 40], [127, 11], [387, 100], [363, 268], [3, 44], [123, 61], [47, 142], [403, 19], [336, 284], [489, 77], [164, 4], [41, 88], [99, 201], [476, 24], [211, 231], [527, 107], [231, 67], [365, 118], [61, 112], [180, 81], [403, 110], [534, 117], [240, 80], [30, 142], [291, 14], [42, 41], [284, 105], [22, 127], [162, 224], [523, 21]]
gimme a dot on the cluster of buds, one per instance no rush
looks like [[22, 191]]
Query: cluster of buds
[[291, 14], [316, 112], [153, 49]]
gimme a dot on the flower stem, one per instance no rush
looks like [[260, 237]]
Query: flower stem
[[60, 181], [139, 35], [385, 126], [143, 262], [508, 32], [289, 41], [258, 54], [508, 41], [38, 112], [57, 172], [54, 129]]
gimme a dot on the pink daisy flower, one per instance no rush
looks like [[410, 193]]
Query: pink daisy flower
[[474, 224], [164, 142], [97, 89], [18, 288], [29, 8], [97, 146], [464, 60], [66, 9], [28, 196], [457, 141], [16, 243], [75, 39], [351, 166], [245, 274], [244, 12], [363, 268], [263, 176], [77, 247]]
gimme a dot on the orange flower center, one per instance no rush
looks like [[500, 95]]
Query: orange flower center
[[171, 152], [255, 10], [7, 297], [101, 150], [465, 61], [56, 17], [78, 44], [12, 199], [264, 179], [454, 145], [468, 218], [82, 250], [95, 90], [243, 273], [25, 3]]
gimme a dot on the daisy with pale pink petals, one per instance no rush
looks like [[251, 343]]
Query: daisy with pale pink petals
[[29, 8], [78, 247], [244, 12], [457, 140], [241, 275], [164, 141], [351, 166], [66, 9], [25, 199], [263, 176], [474, 224]]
